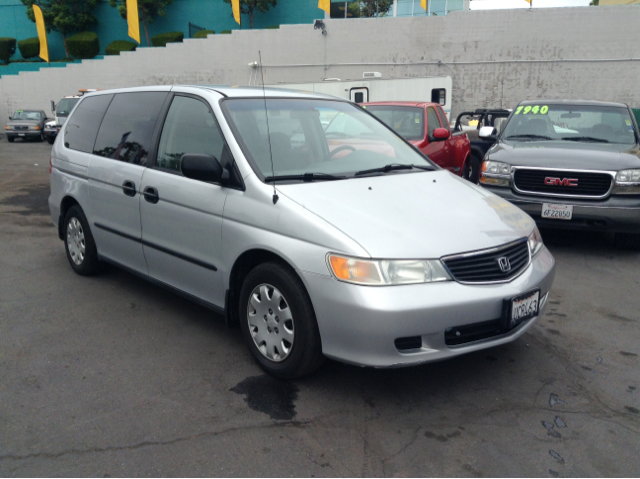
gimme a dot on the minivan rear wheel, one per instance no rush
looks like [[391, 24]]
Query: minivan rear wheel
[[79, 244], [278, 322]]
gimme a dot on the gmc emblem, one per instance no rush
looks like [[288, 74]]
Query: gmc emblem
[[560, 182]]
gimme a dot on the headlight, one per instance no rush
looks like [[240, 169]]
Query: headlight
[[34, 127], [495, 173], [627, 182], [496, 167], [387, 272], [535, 242], [628, 176], [8, 127]]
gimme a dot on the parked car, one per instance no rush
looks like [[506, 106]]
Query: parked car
[[60, 111], [425, 125], [475, 121], [26, 124], [570, 164], [363, 251]]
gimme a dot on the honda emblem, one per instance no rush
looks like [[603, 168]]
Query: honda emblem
[[504, 264]]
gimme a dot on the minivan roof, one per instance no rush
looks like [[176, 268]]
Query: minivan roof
[[231, 91], [573, 102]]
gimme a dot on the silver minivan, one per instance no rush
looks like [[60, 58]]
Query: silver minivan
[[300, 217]]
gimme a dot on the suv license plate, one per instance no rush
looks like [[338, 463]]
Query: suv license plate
[[20, 134], [557, 212], [524, 307]]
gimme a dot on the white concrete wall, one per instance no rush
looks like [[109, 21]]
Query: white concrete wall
[[496, 58]]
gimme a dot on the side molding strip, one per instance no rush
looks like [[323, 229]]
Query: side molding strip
[[168, 251]]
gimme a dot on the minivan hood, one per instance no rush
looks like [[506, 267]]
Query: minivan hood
[[565, 154], [413, 215]]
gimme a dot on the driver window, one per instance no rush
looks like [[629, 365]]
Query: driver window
[[432, 120], [189, 128]]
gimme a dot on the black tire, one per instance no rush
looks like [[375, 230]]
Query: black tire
[[88, 265], [474, 170], [10, 139], [305, 355], [627, 241], [51, 140]]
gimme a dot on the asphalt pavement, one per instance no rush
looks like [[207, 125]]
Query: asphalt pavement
[[113, 376]]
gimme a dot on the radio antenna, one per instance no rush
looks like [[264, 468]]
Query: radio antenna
[[266, 114]]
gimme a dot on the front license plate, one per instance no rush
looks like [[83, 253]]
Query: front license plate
[[20, 134], [524, 307], [557, 212]]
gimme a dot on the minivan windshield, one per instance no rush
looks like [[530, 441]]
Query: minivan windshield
[[65, 106], [407, 121], [579, 123], [317, 139]]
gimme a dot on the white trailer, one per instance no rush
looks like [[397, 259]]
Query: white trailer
[[427, 89]]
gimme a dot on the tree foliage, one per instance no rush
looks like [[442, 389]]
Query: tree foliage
[[251, 7], [369, 8], [148, 11], [65, 16]]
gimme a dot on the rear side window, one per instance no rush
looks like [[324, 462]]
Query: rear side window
[[127, 127], [439, 95], [81, 129]]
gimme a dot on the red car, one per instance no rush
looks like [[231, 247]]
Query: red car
[[425, 126]]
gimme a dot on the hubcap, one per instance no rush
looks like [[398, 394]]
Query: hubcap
[[75, 241], [270, 322]]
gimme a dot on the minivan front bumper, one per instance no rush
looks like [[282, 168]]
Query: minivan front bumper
[[360, 324]]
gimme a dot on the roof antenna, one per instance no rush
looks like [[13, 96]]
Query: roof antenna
[[266, 114]]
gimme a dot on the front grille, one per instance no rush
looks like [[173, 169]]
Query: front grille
[[21, 128], [588, 184], [484, 266]]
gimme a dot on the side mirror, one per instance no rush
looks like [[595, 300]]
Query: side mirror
[[10, 117], [441, 134], [201, 167], [53, 107], [487, 133]]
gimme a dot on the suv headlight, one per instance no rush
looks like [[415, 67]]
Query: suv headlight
[[535, 242], [495, 173], [8, 127], [627, 182], [386, 272]]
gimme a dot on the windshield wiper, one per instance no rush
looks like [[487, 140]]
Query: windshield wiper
[[584, 138], [305, 177], [528, 137], [392, 167]]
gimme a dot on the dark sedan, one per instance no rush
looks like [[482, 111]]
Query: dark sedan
[[570, 164], [26, 124]]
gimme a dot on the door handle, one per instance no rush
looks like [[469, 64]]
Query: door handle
[[129, 188], [151, 195]]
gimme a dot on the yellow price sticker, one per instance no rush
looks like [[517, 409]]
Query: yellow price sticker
[[533, 109]]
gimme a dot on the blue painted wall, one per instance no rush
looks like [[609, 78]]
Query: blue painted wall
[[210, 14]]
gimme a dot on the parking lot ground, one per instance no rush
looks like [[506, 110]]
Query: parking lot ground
[[113, 376]]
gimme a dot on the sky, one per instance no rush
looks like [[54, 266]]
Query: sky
[[490, 4]]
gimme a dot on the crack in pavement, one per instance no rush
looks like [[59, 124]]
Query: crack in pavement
[[49, 455]]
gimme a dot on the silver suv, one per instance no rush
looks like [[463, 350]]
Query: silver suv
[[321, 238]]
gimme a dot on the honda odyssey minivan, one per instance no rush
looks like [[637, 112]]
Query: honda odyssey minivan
[[300, 217]]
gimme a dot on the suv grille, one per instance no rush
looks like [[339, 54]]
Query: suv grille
[[484, 266], [21, 128], [587, 184]]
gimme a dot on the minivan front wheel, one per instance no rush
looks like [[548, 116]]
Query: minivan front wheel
[[278, 322], [79, 245]]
